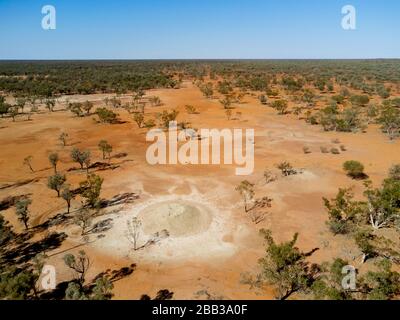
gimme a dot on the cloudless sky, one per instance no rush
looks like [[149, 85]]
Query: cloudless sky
[[194, 29]]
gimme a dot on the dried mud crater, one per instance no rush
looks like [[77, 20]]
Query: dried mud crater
[[179, 218], [172, 228]]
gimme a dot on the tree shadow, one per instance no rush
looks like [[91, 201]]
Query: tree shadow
[[102, 226], [19, 183], [115, 275], [52, 222], [125, 161], [128, 197], [70, 248], [73, 144], [57, 294], [76, 169], [24, 252], [102, 166], [164, 294], [119, 155], [97, 166], [119, 122], [10, 201], [44, 169], [359, 177]]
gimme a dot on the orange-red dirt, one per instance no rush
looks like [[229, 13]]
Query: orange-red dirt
[[209, 264]]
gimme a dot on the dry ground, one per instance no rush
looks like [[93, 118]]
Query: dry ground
[[204, 258]]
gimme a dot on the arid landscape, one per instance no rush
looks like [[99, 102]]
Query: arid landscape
[[192, 231]]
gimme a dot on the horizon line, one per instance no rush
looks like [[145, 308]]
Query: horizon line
[[202, 59]]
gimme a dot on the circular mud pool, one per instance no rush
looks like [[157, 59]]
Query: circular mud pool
[[179, 218]]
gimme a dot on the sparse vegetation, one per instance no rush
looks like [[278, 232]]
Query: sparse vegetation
[[80, 157], [246, 190], [168, 116], [67, 195], [56, 182], [226, 102], [91, 189], [354, 169], [281, 106], [50, 104], [352, 98], [105, 148], [343, 212], [394, 172], [228, 113], [335, 151], [286, 169], [87, 106], [190, 109], [269, 176], [324, 150], [76, 108], [155, 101], [329, 285], [133, 232], [139, 119], [83, 219], [390, 122], [28, 162], [207, 90], [22, 211], [383, 203], [54, 159], [79, 264], [285, 267], [106, 116], [63, 138], [149, 123], [332, 119]]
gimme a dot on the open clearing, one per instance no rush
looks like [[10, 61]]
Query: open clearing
[[211, 241]]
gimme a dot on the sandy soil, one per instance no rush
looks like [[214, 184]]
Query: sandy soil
[[214, 241]]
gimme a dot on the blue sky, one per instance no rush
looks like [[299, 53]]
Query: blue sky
[[191, 29]]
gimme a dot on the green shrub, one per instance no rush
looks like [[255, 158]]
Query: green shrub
[[286, 169], [359, 100], [394, 172], [343, 212], [281, 106], [354, 169], [106, 116]]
